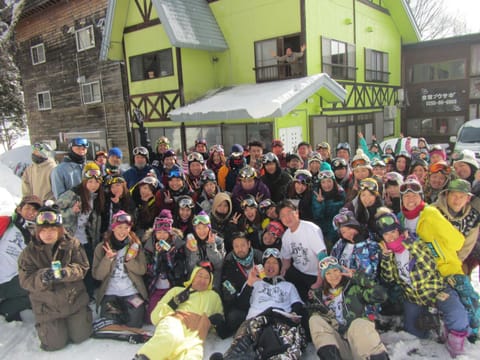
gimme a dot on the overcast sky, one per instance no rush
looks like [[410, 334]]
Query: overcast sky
[[470, 9]]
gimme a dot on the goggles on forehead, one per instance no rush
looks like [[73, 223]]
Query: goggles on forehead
[[327, 262], [410, 186], [343, 146], [202, 141], [122, 219], [41, 147], [186, 202], [201, 219], [440, 168], [195, 156], [359, 162], [208, 175], [322, 145], [271, 252], [207, 265], [175, 173], [386, 221], [269, 157], [339, 162], [370, 185], [340, 219], [140, 150], [48, 218], [93, 174], [150, 180], [326, 174], [217, 148], [115, 180], [249, 202]]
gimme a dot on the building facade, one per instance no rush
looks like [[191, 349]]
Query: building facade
[[442, 86], [68, 91]]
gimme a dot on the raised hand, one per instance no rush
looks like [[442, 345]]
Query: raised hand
[[109, 253]]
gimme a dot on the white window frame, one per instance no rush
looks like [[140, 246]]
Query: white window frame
[[89, 32], [38, 49], [45, 95], [91, 86]]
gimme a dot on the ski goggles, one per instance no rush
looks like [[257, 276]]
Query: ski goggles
[[322, 145], [93, 174], [164, 224], [275, 229], [325, 263], [48, 218], [115, 180], [338, 163], [271, 252], [217, 148], [186, 203], [269, 157], [201, 219], [340, 219], [140, 150], [326, 174], [207, 265], [150, 180], [208, 175], [302, 178], [79, 142], [41, 147], [202, 141], [359, 162], [249, 202], [411, 187], [123, 218], [343, 146], [370, 185], [386, 222], [195, 156], [393, 177], [175, 173], [440, 168]]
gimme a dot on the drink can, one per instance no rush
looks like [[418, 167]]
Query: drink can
[[261, 271], [193, 241], [164, 245], [57, 269], [228, 285], [132, 251]]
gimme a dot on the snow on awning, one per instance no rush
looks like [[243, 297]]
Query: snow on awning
[[257, 101]]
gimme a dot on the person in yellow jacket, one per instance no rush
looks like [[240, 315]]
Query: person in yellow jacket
[[183, 318]]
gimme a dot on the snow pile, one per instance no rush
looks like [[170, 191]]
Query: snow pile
[[18, 340]]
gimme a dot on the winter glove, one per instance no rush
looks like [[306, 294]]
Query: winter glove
[[47, 276], [179, 298], [218, 322]]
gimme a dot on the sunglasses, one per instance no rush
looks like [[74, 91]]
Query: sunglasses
[[48, 218], [327, 262], [439, 167], [122, 219], [248, 203], [326, 174], [195, 156], [359, 162], [201, 219], [79, 142], [268, 157], [368, 185], [271, 252], [115, 180], [140, 150], [93, 174], [411, 187], [207, 265], [186, 202]]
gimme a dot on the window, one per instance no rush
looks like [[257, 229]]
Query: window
[[38, 54], [85, 38], [376, 66], [151, 65], [446, 70], [475, 63], [435, 126], [44, 101], [338, 59], [91, 93]]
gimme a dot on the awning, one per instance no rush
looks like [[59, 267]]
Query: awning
[[257, 101]]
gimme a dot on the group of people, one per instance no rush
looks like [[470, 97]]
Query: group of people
[[276, 249]]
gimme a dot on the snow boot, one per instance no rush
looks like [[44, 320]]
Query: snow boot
[[455, 342], [216, 356], [329, 352], [381, 356], [241, 349]]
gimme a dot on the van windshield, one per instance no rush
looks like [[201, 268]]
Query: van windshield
[[470, 135]]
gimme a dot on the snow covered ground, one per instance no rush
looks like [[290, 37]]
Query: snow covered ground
[[18, 340]]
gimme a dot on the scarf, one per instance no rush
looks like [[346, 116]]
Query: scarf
[[117, 244], [397, 245], [246, 262], [76, 158], [412, 214]]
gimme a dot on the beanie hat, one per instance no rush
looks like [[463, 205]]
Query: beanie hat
[[276, 228], [202, 218], [115, 151], [325, 166], [163, 221], [92, 170], [361, 160], [386, 221], [346, 218], [327, 263], [467, 156], [439, 151], [237, 148], [121, 217]]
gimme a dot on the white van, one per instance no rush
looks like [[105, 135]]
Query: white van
[[468, 137]]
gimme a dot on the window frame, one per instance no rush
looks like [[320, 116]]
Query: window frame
[[349, 68], [41, 94], [169, 69], [372, 72], [34, 49], [91, 84], [77, 38]]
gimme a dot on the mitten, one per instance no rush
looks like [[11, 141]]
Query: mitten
[[47, 276]]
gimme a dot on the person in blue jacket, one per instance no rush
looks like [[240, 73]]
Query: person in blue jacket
[[141, 167]]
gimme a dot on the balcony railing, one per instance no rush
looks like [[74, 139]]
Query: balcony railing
[[155, 106], [279, 72]]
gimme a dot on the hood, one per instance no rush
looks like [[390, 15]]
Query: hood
[[195, 270], [221, 196]]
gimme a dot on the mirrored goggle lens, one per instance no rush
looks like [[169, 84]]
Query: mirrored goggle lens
[[271, 252], [149, 180], [359, 162], [123, 219], [302, 178], [329, 261], [184, 203], [201, 141], [48, 218], [343, 146], [437, 167], [410, 186], [340, 219], [326, 175], [385, 221], [93, 174], [368, 185], [208, 176], [80, 142], [175, 174], [201, 219], [115, 180], [140, 151], [41, 147], [248, 203], [217, 148], [195, 157], [268, 158], [339, 163]]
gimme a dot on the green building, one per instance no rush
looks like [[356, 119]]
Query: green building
[[216, 70]]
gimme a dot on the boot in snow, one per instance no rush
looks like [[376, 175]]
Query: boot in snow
[[381, 356], [455, 342], [329, 352]]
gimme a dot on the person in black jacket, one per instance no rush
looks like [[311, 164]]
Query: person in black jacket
[[236, 267], [275, 178]]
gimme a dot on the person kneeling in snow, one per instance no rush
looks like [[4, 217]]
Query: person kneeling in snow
[[51, 269], [183, 318]]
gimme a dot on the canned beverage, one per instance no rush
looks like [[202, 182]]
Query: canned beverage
[[228, 285], [193, 241], [261, 271], [132, 251], [57, 269], [164, 245]]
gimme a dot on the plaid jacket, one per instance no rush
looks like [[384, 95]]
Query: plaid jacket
[[426, 281]]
